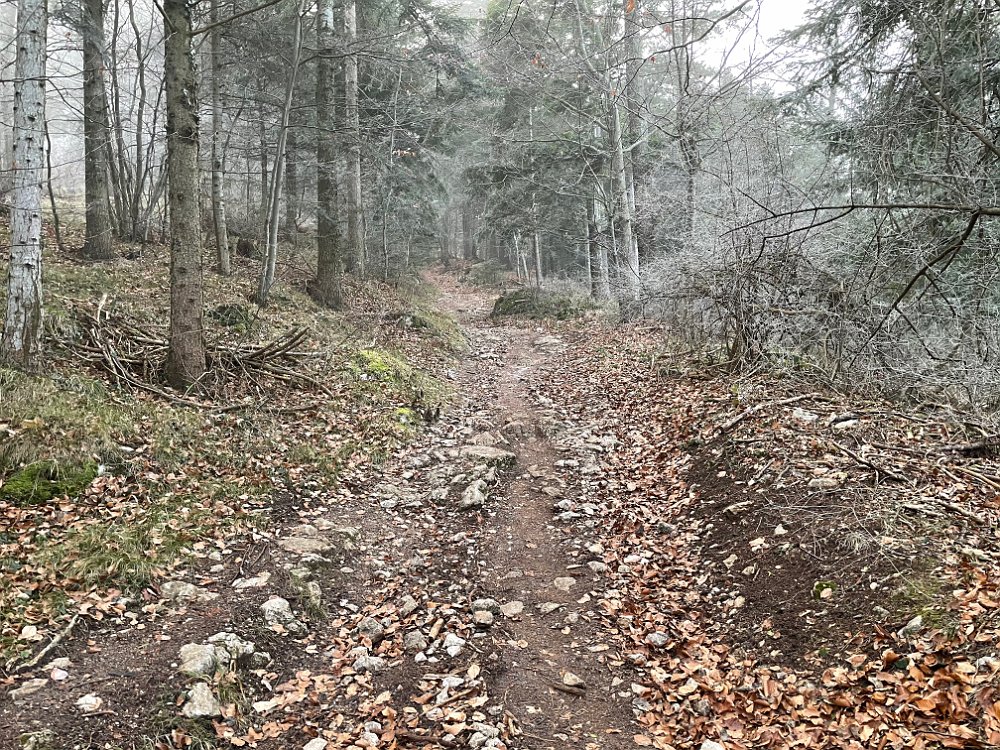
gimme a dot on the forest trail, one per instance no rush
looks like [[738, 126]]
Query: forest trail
[[589, 547], [437, 603]]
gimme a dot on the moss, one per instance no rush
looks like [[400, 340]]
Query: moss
[[41, 481], [231, 316], [381, 366], [822, 586]]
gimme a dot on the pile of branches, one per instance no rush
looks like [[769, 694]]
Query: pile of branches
[[134, 356]]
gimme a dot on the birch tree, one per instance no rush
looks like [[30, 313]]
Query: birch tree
[[21, 343]]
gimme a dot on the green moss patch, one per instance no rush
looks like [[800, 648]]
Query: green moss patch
[[41, 481]]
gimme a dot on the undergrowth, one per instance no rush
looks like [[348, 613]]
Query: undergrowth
[[109, 489]]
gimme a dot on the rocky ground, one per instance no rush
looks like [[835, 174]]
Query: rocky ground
[[546, 566]]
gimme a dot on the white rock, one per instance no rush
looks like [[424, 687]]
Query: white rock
[[453, 644], [474, 496], [564, 583], [571, 680], [28, 687], [489, 455], [231, 646], [657, 639], [912, 627], [488, 605], [414, 641], [89, 703], [304, 545], [512, 609], [712, 745], [197, 660], [184, 592], [483, 619], [201, 704], [277, 611], [316, 743], [254, 582], [824, 483]]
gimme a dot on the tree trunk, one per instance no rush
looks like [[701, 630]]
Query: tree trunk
[[292, 187], [355, 236], [634, 138], [97, 244], [326, 287], [278, 173], [630, 251], [222, 260], [468, 245], [22, 333], [186, 354], [264, 167]]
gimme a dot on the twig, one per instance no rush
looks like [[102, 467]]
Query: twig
[[871, 465], [574, 691], [52, 644], [760, 407]]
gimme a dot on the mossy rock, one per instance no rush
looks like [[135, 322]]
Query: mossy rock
[[231, 316], [381, 366], [43, 480], [536, 303], [487, 274]]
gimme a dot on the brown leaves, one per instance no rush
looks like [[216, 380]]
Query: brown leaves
[[879, 686]]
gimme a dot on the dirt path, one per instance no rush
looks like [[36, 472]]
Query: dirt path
[[443, 599], [539, 563]]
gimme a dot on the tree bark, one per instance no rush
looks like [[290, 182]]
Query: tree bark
[[630, 251], [278, 173], [222, 259], [635, 169], [468, 244], [186, 354], [22, 333], [326, 288], [292, 187], [355, 235], [97, 244]]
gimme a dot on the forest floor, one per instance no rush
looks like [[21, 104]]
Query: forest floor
[[597, 543]]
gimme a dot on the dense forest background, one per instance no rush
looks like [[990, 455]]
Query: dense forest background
[[822, 199]]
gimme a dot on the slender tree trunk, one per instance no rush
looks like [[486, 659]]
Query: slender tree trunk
[[264, 166], [97, 244], [634, 137], [468, 246], [292, 187], [355, 227], [222, 261], [326, 288], [278, 173], [22, 333], [535, 239], [593, 262], [136, 231], [630, 251], [186, 354]]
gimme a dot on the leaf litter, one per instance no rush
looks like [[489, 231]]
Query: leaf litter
[[697, 576]]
